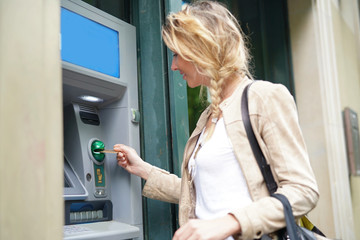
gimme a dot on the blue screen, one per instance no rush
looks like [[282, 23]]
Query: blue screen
[[89, 44]]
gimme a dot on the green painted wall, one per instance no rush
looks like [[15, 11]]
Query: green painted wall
[[266, 25]]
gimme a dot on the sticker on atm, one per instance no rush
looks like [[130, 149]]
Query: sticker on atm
[[99, 175]]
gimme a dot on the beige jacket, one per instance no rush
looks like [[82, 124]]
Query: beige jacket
[[274, 118]]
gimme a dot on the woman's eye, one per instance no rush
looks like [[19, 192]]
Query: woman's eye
[[175, 55]]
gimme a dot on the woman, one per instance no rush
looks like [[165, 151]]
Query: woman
[[222, 193]]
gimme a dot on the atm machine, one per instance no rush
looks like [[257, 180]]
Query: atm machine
[[100, 105]]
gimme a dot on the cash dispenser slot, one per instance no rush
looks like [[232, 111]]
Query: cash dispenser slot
[[87, 212]]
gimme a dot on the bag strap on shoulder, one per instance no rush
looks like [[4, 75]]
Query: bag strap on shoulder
[[260, 159]]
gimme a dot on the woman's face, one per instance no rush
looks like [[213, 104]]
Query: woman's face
[[188, 71]]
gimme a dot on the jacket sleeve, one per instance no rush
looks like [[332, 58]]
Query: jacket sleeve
[[275, 122], [161, 185]]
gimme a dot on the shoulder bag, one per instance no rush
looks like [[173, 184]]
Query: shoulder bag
[[292, 231]]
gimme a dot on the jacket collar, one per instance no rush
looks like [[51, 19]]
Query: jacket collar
[[207, 112], [195, 135]]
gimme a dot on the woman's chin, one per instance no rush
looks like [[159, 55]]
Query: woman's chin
[[192, 84]]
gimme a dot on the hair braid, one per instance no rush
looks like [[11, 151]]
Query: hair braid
[[215, 89]]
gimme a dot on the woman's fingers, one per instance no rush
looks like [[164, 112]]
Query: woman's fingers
[[121, 155], [188, 231], [121, 159], [123, 164], [120, 147]]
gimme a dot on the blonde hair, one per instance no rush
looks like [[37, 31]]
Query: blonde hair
[[208, 35]]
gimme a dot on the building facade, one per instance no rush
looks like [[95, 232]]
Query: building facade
[[311, 46]]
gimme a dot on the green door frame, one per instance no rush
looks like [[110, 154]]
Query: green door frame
[[163, 106], [178, 103]]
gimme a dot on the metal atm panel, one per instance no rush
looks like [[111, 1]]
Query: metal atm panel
[[102, 201]]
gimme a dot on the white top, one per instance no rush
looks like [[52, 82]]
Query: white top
[[219, 182]]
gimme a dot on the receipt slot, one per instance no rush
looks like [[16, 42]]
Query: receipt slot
[[100, 102]]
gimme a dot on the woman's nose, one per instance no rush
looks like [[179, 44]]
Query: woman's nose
[[173, 64]]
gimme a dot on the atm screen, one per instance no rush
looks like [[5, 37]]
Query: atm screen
[[89, 44]]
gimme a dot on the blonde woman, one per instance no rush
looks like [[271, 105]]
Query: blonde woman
[[222, 193]]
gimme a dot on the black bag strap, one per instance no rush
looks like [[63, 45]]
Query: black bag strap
[[264, 167]]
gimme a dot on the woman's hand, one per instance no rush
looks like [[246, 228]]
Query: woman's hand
[[216, 229], [130, 161]]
